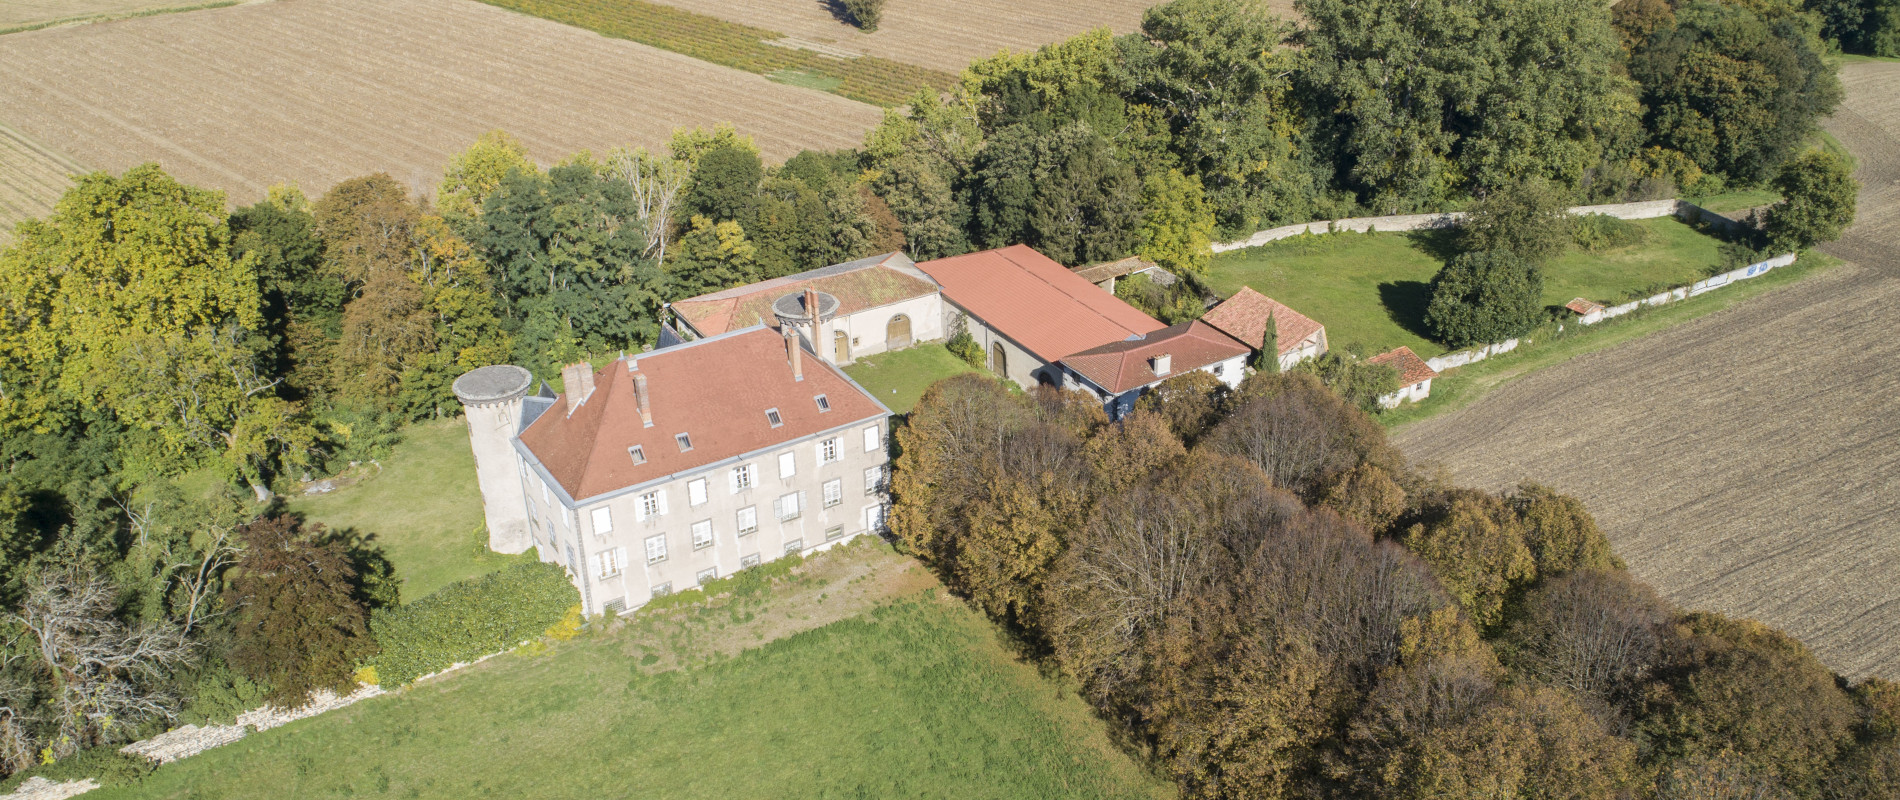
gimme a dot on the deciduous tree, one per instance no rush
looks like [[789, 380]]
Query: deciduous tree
[[1819, 202], [299, 626], [1485, 297]]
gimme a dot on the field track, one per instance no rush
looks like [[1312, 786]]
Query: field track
[[318, 91], [19, 13], [1747, 462], [31, 179], [940, 34]]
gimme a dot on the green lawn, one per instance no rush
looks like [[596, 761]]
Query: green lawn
[[423, 508], [899, 379], [913, 699], [1737, 200], [1372, 289]]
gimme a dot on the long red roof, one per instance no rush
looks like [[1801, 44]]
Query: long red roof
[[714, 390], [1037, 303]]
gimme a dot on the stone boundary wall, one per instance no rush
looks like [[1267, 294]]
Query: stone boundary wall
[[1646, 209], [1704, 286]]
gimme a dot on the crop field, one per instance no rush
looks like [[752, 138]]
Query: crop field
[[854, 678], [31, 179], [318, 91], [18, 15], [941, 34], [1744, 462]]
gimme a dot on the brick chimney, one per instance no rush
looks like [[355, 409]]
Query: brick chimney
[[641, 400], [578, 379], [1162, 363], [792, 354]]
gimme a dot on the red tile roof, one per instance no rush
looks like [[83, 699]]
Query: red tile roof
[[1412, 369], [1244, 317], [1583, 307], [1034, 301], [1123, 366], [716, 390], [858, 285]]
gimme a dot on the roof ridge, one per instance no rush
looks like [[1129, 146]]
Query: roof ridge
[[1005, 252]]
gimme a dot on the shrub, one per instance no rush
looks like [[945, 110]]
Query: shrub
[[469, 619], [964, 346], [1596, 233], [1821, 197], [1484, 297], [865, 13], [1529, 221], [104, 764]]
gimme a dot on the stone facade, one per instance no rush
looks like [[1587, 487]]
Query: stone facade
[[492, 403]]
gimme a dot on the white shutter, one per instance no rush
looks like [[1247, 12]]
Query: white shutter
[[732, 479], [603, 521], [801, 500], [778, 508], [871, 439], [751, 474], [662, 494], [787, 465], [639, 509], [696, 491]]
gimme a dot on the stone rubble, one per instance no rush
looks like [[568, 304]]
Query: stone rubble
[[37, 788]]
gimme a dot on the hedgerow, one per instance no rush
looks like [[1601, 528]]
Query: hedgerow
[[469, 619]]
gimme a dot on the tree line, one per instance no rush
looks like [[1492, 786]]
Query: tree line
[[1268, 600]]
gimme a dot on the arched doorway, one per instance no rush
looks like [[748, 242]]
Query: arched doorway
[[840, 347], [897, 333], [999, 363]]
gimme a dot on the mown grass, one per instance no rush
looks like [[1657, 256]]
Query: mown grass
[[421, 506], [1373, 289], [1460, 387], [868, 78], [899, 379], [913, 699]]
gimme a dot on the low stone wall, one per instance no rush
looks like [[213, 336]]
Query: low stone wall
[[1704, 286], [1646, 209], [1463, 357]]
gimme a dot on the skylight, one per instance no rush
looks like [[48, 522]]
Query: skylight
[[771, 415], [638, 454], [823, 404], [686, 442]]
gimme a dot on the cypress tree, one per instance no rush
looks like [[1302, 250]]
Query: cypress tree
[[1268, 360]]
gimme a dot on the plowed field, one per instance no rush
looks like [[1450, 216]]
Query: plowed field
[[1747, 462], [940, 34], [21, 13], [318, 91], [31, 179]]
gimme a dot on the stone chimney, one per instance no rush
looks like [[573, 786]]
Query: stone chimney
[[792, 354], [1162, 363], [641, 400], [578, 379]]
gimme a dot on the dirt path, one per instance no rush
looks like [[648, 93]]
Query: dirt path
[[1747, 462]]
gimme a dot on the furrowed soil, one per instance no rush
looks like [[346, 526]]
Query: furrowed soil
[[24, 13], [940, 34], [318, 91], [1747, 462], [32, 178]]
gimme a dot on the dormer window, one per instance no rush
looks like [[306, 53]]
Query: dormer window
[[824, 404], [771, 415], [638, 453], [685, 441]]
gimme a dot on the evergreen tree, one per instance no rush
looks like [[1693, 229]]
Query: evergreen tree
[[1268, 359], [1484, 297]]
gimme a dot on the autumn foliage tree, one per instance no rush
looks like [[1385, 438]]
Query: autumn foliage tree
[[299, 626]]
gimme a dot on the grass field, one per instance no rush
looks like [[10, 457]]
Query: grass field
[[899, 379], [1372, 289], [746, 47], [319, 91], [911, 695], [422, 507]]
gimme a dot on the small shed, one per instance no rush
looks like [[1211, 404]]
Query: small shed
[[1104, 274], [1415, 376], [1584, 308]]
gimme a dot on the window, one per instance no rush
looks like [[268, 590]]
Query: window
[[749, 562], [545, 499], [872, 439], [874, 517], [742, 477], [874, 479], [603, 521], [794, 546], [824, 404], [662, 590], [771, 415], [748, 520], [656, 549], [685, 441], [706, 575], [787, 465], [652, 504], [617, 605], [702, 534], [834, 492], [834, 532], [611, 562], [787, 506], [1219, 370], [638, 454], [828, 451], [696, 491]]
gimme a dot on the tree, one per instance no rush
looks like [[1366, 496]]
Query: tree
[[1475, 545], [1560, 532], [865, 13], [1820, 198], [724, 181], [1420, 103], [1485, 297], [1177, 229], [1300, 433], [289, 256], [299, 626], [1361, 384], [473, 174], [1734, 89], [1190, 403], [1596, 633], [710, 258], [656, 181], [916, 160], [1267, 358], [1527, 220]]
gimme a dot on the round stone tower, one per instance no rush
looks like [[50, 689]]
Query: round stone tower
[[810, 313], [491, 400]]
